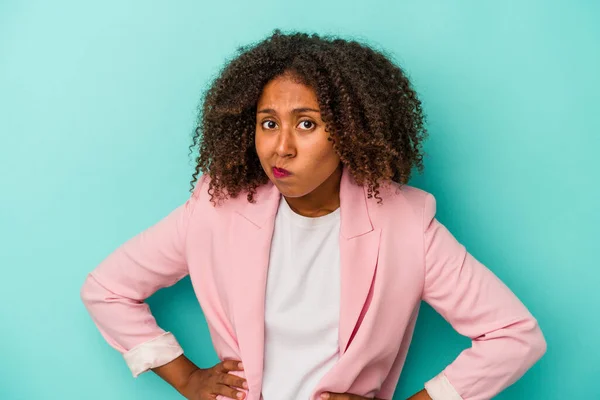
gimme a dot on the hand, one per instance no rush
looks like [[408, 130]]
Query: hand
[[206, 384], [422, 395], [344, 396]]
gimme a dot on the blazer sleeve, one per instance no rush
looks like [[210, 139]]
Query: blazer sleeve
[[114, 293], [506, 338]]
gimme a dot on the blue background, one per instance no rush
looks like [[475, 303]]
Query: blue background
[[98, 102]]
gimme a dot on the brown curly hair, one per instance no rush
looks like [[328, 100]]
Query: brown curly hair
[[369, 108]]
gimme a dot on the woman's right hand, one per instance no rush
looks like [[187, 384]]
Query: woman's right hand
[[207, 384]]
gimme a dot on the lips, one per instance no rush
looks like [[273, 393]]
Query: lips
[[280, 172]]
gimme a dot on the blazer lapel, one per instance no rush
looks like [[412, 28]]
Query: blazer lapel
[[359, 248], [250, 240]]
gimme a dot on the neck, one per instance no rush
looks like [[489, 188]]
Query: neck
[[321, 201]]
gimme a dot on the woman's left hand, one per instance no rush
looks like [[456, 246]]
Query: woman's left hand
[[344, 396]]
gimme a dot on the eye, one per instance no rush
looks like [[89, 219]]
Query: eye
[[271, 126], [305, 122]]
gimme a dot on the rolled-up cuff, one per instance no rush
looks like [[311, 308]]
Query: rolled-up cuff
[[439, 388], [153, 353]]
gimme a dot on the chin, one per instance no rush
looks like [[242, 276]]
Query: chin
[[290, 192], [287, 192]]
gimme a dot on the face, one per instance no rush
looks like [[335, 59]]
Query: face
[[291, 135]]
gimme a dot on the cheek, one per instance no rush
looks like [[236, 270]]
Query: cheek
[[325, 155], [259, 147]]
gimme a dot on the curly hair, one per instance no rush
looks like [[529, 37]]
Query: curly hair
[[369, 108]]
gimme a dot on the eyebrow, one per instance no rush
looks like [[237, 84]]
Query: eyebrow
[[295, 110]]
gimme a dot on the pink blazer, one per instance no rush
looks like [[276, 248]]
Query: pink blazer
[[393, 256]]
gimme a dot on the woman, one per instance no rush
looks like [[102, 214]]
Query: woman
[[307, 251]]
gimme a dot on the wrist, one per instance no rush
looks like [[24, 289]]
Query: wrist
[[422, 395], [177, 372]]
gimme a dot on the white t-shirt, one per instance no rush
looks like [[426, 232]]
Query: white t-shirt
[[302, 303]]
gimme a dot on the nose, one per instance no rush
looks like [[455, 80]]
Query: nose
[[286, 146]]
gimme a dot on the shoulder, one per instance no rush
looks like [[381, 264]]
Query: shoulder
[[401, 204], [202, 199], [231, 205], [403, 196]]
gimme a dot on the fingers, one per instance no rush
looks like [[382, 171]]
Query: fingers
[[230, 392], [231, 365], [226, 382], [233, 381]]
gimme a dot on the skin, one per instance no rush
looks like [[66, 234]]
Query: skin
[[196, 383], [290, 134]]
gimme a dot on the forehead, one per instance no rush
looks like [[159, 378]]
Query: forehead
[[284, 92]]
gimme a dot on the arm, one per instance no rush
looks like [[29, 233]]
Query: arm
[[114, 292], [506, 338], [422, 395], [177, 372]]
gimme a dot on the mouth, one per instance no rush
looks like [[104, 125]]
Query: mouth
[[280, 172]]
